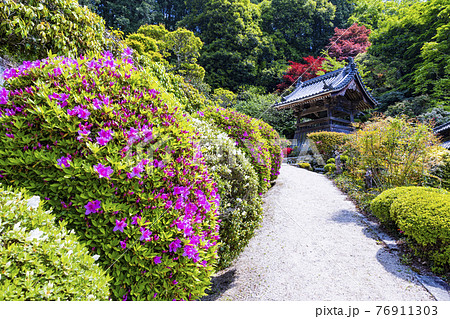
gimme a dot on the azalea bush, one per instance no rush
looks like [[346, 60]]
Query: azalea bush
[[117, 160], [247, 134], [273, 144], [237, 183], [31, 28], [41, 260]]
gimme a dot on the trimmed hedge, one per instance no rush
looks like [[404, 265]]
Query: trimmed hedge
[[422, 214], [381, 205], [425, 217], [40, 260], [273, 142], [237, 183], [119, 163], [328, 142]]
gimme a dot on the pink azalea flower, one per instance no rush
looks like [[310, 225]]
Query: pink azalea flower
[[120, 225], [173, 246], [135, 219], [145, 234], [92, 207], [103, 171], [157, 260], [123, 244], [63, 161]]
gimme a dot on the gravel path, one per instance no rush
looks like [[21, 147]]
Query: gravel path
[[313, 245]]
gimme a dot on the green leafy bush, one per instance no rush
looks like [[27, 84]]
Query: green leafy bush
[[331, 161], [425, 217], [31, 28], [440, 172], [40, 260], [274, 146], [328, 142], [330, 168], [237, 183], [118, 161], [247, 134], [395, 150]]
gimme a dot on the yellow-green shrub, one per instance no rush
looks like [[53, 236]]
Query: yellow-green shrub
[[381, 205], [328, 142], [425, 217], [305, 165]]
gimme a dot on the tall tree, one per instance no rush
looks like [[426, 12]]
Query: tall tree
[[310, 70], [298, 27], [232, 40]]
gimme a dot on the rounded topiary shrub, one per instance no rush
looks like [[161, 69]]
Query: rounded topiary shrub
[[119, 163], [41, 260], [330, 168], [425, 217], [237, 183], [381, 205], [245, 131]]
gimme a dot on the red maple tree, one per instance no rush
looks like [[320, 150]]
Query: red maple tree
[[307, 71], [349, 42]]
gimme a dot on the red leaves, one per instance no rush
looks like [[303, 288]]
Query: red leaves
[[349, 42], [307, 71]]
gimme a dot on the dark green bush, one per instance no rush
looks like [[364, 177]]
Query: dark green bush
[[425, 217], [29, 29], [41, 260], [118, 161]]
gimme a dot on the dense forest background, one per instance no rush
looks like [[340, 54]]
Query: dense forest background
[[245, 54]]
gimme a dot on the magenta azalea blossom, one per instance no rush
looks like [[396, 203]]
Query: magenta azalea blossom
[[120, 225], [83, 114], [135, 220], [123, 244], [189, 251], [102, 141], [145, 234], [103, 171], [173, 246], [83, 133], [97, 104], [136, 171], [92, 207], [157, 260], [63, 161]]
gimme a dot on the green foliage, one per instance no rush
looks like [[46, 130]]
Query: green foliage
[[395, 150], [440, 172], [237, 183], [330, 168], [328, 142], [331, 161], [155, 179], [41, 260], [29, 29], [355, 189], [223, 97], [259, 106]]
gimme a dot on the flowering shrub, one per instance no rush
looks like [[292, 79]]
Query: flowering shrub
[[95, 138], [287, 151], [237, 183], [273, 144], [245, 131], [328, 142], [33, 27], [40, 260]]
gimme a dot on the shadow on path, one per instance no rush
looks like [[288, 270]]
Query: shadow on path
[[220, 284]]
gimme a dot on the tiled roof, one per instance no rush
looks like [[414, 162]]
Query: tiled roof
[[441, 128], [446, 145], [324, 85]]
